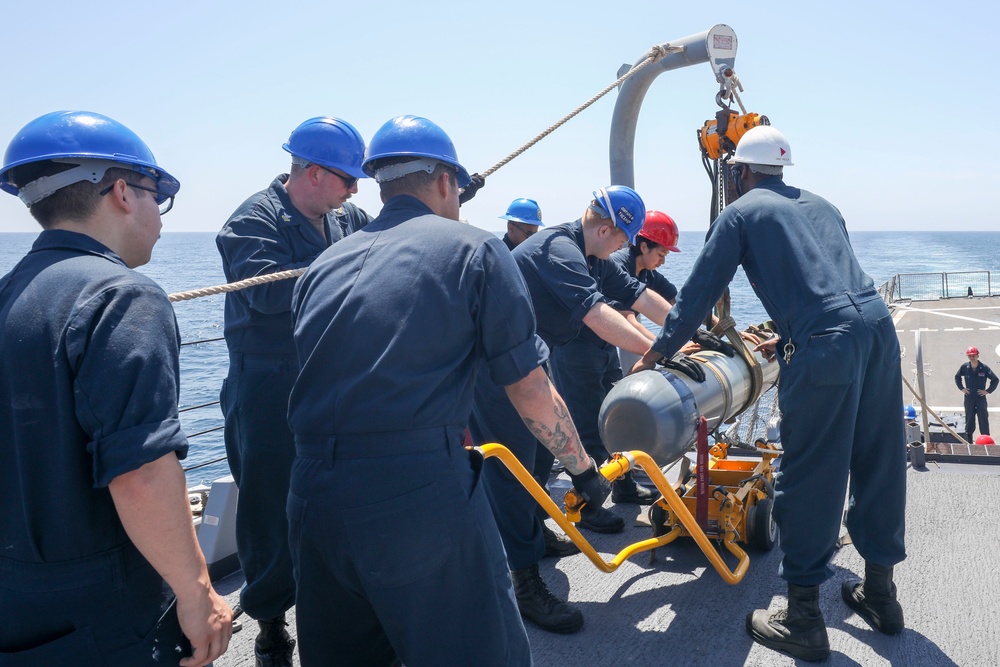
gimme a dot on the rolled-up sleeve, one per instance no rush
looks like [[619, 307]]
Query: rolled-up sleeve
[[123, 345], [506, 318]]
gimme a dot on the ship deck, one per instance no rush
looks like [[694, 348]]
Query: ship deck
[[946, 328], [678, 611]]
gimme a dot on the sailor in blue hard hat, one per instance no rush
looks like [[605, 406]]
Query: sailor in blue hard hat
[[520, 520], [285, 226], [397, 557], [100, 562], [572, 286], [523, 217]]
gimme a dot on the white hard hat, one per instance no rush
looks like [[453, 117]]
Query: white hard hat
[[763, 145]]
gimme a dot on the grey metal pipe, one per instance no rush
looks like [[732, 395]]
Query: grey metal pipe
[[657, 411], [716, 46]]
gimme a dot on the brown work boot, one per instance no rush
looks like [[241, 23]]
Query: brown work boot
[[798, 630], [556, 545], [273, 646], [875, 599], [537, 604]]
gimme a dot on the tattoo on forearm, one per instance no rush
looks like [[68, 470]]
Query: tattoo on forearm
[[559, 441]]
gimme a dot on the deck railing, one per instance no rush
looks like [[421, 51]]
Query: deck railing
[[209, 419], [944, 285]]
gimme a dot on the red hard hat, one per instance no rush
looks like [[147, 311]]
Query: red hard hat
[[660, 228], [984, 440], [972, 350]]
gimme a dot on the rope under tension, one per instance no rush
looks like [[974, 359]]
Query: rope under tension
[[232, 287], [655, 53]]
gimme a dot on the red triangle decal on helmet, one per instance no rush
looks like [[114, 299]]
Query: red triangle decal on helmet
[[782, 151]]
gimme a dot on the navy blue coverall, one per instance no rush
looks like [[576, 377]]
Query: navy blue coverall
[[89, 368], [565, 284], [587, 367], [266, 234], [397, 556], [974, 380], [840, 372], [494, 419], [654, 280]]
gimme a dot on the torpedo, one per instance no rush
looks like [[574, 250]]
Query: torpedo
[[657, 411]]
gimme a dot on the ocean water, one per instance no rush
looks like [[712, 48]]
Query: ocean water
[[185, 261]]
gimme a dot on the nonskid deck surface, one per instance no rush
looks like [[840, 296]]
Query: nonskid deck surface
[[947, 327], [678, 611]]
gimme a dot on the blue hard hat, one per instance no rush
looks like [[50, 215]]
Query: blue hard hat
[[525, 211], [625, 207], [89, 140], [413, 136], [329, 142], [909, 413]]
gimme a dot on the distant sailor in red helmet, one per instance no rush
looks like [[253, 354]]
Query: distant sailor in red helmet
[[971, 380]]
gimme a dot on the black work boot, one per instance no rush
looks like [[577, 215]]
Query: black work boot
[[798, 630], [273, 646], [557, 546], [537, 604], [600, 520], [627, 490], [875, 599]]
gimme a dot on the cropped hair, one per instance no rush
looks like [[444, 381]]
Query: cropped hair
[[412, 183], [76, 201]]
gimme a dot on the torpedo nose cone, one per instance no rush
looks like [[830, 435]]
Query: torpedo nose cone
[[651, 411]]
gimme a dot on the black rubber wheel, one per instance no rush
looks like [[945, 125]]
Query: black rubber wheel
[[762, 532]]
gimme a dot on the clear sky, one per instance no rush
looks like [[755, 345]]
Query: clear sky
[[890, 107]]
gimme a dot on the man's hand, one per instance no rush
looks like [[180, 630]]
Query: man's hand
[[591, 486], [471, 189], [707, 340], [686, 365], [647, 362], [982, 392], [769, 348], [207, 621]]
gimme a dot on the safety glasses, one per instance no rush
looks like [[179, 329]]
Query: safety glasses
[[164, 201]]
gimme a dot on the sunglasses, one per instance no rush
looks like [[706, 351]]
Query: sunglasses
[[349, 181]]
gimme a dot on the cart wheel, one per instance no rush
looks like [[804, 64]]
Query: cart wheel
[[761, 529]]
